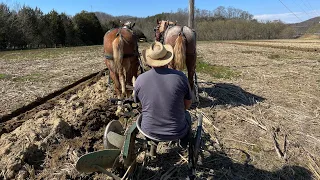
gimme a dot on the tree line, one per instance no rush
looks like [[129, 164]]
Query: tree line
[[222, 24], [31, 28]]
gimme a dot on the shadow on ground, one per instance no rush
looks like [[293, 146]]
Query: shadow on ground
[[224, 94], [217, 165]]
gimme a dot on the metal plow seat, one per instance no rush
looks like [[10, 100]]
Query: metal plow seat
[[139, 120], [152, 141]]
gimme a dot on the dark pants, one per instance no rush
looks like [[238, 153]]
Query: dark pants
[[183, 142]]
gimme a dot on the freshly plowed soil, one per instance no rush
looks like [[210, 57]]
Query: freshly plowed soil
[[50, 141]]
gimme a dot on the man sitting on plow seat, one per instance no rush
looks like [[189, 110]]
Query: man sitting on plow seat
[[165, 96]]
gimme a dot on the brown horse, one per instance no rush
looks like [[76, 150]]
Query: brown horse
[[183, 41], [121, 57]]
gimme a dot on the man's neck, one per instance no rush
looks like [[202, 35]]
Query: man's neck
[[166, 66]]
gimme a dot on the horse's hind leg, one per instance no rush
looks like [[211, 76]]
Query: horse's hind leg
[[122, 73], [132, 72], [116, 83], [116, 86], [108, 64], [120, 84], [191, 67]]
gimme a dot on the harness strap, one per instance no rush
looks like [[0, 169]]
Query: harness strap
[[107, 56], [182, 33], [110, 57]]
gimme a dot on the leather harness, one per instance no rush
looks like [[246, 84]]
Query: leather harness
[[110, 56]]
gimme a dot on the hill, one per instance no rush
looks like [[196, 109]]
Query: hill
[[104, 17], [310, 26]]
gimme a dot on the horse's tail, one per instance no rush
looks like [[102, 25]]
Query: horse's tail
[[179, 51], [117, 46]]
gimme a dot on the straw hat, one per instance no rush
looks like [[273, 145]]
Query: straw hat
[[158, 55]]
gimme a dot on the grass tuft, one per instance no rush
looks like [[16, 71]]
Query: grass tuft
[[3, 76], [247, 52], [214, 70], [29, 77], [274, 56]]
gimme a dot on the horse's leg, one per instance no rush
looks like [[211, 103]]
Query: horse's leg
[[191, 67], [122, 73], [116, 84], [121, 93], [127, 75], [108, 64], [132, 73]]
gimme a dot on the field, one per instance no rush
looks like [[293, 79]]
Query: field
[[261, 100]]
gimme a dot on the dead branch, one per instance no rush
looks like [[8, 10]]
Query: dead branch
[[251, 121], [214, 135], [182, 157], [281, 155], [207, 121], [285, 147], [276, 145]]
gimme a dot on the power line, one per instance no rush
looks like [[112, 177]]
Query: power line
[[290, 10], [310, 8], [302, 8]]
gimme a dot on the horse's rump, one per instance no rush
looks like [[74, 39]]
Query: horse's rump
[[183, 40], [117, 38], [171, 34]]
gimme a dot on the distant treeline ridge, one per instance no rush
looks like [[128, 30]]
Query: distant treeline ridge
[[28, 27]]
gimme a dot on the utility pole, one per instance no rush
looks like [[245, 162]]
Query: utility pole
[[191, 14]]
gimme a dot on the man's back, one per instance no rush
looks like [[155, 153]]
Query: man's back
[[162, 92]]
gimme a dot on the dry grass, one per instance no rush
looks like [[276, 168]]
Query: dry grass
[[281, 120], [298, 45]]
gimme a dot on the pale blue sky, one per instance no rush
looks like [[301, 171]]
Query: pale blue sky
[[262, 9]]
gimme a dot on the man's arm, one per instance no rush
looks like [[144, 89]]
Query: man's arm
[[136, 88], [188, 96]]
